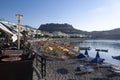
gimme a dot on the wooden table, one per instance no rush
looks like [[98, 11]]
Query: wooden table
[[11, 59], [13, 55]]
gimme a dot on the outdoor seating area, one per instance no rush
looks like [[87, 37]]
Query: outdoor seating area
[[15, 55], [16, 65], [16, 70]]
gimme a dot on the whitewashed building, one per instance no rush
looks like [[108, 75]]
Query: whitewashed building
[[59, 33]]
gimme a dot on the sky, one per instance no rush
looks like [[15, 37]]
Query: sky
[[87, 15]]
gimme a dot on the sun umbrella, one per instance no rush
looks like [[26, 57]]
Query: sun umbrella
[[80, 56], [65, 50], [97, 55], [84, 56], [86, 53], [49, 48], [116, 57], [97, 60]]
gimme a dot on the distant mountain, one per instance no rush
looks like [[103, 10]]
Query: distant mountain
[[69, 29], [65, 28], [108, 34]]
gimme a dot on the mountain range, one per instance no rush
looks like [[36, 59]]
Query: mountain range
[[108, 34], [69, 29]]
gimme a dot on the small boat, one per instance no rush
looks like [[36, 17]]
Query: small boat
[[103, 50], [85, 48], [97, 49]]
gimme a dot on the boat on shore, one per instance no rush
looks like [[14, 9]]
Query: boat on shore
[[102, 50], [85, 48]]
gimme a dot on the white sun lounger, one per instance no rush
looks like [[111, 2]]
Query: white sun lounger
[[83, 68], [115, 71], [105, 65], [116, 68], [88, 69]]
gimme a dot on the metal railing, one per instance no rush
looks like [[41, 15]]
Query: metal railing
[[39, 63]]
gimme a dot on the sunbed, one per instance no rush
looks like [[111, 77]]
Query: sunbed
[[83, 68], [105, 65], [115, 70]]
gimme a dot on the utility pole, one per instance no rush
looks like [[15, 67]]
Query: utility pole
[[19, 16]]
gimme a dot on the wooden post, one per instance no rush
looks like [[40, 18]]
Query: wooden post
[[19, 17]]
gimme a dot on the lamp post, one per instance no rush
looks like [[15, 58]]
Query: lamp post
[[19, 17]]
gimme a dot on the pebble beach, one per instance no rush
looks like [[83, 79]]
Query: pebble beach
[[66, 67], [66, 70]]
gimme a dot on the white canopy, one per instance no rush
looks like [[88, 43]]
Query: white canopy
[[14, 36], [5, 29]]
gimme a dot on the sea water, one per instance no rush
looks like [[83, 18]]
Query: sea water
[[113, 47]]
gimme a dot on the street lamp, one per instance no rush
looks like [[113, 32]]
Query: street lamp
[[19, 17]]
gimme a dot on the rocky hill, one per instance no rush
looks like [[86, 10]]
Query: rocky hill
[[67, 28], [109, 34]]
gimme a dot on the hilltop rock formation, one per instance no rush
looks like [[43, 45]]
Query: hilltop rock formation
[[69, 29], [65, 28]]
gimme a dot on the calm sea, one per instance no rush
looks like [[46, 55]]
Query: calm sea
[[113, 47]]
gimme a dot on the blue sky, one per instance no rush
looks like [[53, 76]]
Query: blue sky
[[88, 15]]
